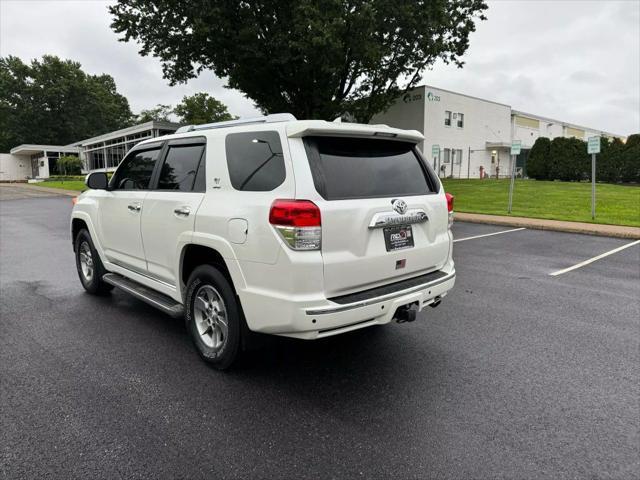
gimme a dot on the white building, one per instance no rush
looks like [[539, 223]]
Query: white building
[[32, 161], [474, 134], [104, 151]]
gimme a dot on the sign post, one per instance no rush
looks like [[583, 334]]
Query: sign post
[[516, 146], [593, 147]]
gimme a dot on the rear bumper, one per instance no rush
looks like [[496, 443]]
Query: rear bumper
[[314, 319]]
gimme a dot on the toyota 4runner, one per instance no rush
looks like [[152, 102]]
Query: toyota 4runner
[[305, 229]]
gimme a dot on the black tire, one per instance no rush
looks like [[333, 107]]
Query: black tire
[[91, 281], [207, 282]]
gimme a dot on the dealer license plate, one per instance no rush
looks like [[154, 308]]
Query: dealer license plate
[[398, 237]]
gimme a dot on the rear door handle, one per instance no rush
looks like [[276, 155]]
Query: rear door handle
[[134, 207], [182, 211]]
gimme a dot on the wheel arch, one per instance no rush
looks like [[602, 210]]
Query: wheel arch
[[77, 224], [195, 254]]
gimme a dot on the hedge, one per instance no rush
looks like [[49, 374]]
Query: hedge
[[567, 159]]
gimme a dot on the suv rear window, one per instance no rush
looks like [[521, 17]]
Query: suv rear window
[[345, 168]]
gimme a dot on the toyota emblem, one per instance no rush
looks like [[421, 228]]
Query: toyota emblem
[[399, 206]]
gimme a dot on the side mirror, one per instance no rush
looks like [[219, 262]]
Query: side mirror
[[97, 181]]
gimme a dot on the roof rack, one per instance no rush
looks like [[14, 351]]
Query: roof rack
[[274, 118]]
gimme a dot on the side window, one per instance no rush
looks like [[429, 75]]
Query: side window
[[134, 173], [447, 118], [180, 168], [255, 161]]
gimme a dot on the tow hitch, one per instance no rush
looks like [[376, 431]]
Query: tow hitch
[[406, 313]]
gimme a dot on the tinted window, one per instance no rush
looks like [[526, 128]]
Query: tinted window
[[180, 167], [134, 173], [255, 161], [345, 168]]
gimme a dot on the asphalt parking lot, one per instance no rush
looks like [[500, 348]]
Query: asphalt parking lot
[[518, 374]]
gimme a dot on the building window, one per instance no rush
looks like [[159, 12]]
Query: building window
[[447, 118], [458, 157], [460, 120], [447, 156]]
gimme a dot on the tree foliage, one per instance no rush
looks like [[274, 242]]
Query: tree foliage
[[315, 59], [202, 108], [630, 163], [52, 101], [567, 159], [69, 165], [538, 161], [160, 113]]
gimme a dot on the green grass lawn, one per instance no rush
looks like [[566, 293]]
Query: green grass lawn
[[615, 204], [66, 185]]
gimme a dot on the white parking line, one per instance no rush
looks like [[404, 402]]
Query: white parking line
[[591, 260], [488, 234]]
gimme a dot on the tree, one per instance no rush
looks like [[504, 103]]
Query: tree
[[315, 59], [69, 165], [160, 113], [52, 101], [538, 161], [202, 108]]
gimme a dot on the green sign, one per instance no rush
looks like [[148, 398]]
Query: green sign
[[593, 145], [435, 150], [516, 146]]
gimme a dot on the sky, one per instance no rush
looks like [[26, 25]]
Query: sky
[[571, 60]]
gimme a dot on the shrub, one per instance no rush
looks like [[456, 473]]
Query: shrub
[[65, 178], [569, 160], [630, 159], [538, 161], [609, 160]]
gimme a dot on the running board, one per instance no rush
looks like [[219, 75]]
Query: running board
[[167, 304]]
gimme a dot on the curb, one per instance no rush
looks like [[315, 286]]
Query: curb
[[618, 231]]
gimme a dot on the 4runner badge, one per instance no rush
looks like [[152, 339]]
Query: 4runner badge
[[399, 206]]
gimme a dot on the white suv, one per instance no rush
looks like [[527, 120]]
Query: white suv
[[298, 228]]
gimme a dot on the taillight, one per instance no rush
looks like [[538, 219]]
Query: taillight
[[298, 222], [450, 199]]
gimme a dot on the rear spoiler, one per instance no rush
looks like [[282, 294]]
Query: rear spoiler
[[321, 128]]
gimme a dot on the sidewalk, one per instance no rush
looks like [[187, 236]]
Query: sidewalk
[[59, 191], [557, 225]]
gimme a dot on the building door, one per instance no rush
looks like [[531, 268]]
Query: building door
[[495, 163], [35, 168]]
